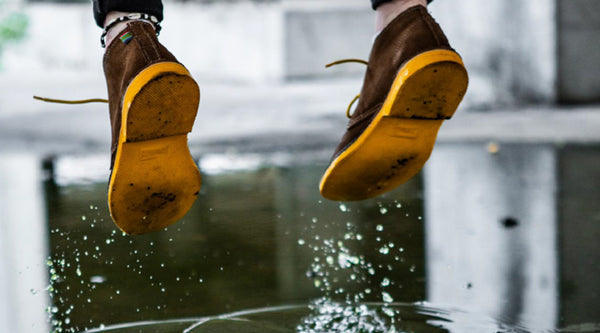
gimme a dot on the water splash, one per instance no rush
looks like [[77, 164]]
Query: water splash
[[342, 267], [333, 317], [75, 287]]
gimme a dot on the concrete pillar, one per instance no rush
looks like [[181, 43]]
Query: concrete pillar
[[491, 231], [23, 246], [578, 51], [509, 48], [579, 234]]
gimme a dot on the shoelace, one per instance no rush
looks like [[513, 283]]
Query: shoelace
[[102, 100], [62, 101], [343, 61]]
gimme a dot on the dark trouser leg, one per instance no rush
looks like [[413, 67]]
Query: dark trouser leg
[[103, 7], [375, 3]]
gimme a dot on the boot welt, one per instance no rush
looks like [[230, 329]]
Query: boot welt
[[155, 181], [400, 138]]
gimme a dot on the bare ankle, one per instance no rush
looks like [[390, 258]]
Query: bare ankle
[[115, 30], [388, 11]]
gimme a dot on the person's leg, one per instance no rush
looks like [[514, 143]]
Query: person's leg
[[153, 102], [386, 11], [414, 80], [106, 11], [103, 7], [376, 3]]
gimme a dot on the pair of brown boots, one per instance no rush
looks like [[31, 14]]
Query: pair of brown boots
[[414, 80]]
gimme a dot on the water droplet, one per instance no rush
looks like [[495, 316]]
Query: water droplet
[[314, 220], [385, 282], [78, 271], [412, 268], [383, 210], [343, 208], [387, 298], [384, 250], [398, 205], [329, 260], [346, 261], [317, 283], [379, 227], [389, 312], [97, 279], [301, 241], [83, 218]]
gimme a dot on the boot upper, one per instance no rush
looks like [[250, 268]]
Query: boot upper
[[123, 60], [411, 33]]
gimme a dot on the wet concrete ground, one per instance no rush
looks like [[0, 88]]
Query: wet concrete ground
[[265, 117]]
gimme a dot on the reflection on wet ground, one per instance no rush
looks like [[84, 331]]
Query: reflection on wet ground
[[497, 238]]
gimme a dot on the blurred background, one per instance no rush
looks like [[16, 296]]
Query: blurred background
[[503, 222]]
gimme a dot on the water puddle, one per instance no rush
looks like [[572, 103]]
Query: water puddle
[[501, 240]]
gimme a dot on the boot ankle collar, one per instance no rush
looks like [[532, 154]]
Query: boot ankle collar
[[130, 17]]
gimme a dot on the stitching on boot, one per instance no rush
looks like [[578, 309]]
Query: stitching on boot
[[146, 43], [430, 27]]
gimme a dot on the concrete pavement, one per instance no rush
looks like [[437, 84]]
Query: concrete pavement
[[302, 115]]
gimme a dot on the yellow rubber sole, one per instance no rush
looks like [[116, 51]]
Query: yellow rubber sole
[[400, 139], [155, 181]]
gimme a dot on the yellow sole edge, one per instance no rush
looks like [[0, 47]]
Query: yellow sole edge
[[399, 140]]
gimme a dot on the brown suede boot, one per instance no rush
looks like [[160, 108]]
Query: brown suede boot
[[153, 102], [414, 80]]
